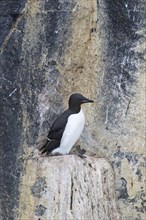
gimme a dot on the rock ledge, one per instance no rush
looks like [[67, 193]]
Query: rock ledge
[[68, 187]]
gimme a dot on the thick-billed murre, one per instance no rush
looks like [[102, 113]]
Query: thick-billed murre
[[67, 128]]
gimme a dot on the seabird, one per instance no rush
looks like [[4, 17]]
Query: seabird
[[67, 128]]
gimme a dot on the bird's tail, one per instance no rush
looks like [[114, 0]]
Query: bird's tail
[[49, 146]]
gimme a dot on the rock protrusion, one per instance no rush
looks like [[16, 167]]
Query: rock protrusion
[[75, 188]]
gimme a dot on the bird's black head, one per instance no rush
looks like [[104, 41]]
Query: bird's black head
[[76, 100]]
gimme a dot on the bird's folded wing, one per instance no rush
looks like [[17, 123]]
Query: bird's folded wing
[[49, 146]]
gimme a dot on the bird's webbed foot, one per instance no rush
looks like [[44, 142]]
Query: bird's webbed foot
[[56, 154], [80, 153]]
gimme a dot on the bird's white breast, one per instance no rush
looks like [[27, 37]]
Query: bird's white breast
[[72, 132]]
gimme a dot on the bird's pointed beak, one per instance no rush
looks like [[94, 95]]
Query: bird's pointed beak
[[85, 100]]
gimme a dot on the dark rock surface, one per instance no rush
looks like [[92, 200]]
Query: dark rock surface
[[40, 210], [39, 187], [22, 80], [125, 20], [10, 102]]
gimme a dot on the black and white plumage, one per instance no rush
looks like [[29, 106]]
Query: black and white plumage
[[67, 128]]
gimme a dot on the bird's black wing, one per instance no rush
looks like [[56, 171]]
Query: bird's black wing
[[55, 133], [49, 146], [58, 126]]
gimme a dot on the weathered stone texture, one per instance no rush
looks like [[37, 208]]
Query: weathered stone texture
[[52, 48], [68, 187]]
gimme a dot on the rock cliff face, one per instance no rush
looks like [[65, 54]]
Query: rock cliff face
[[50, 49], [68, 187]]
